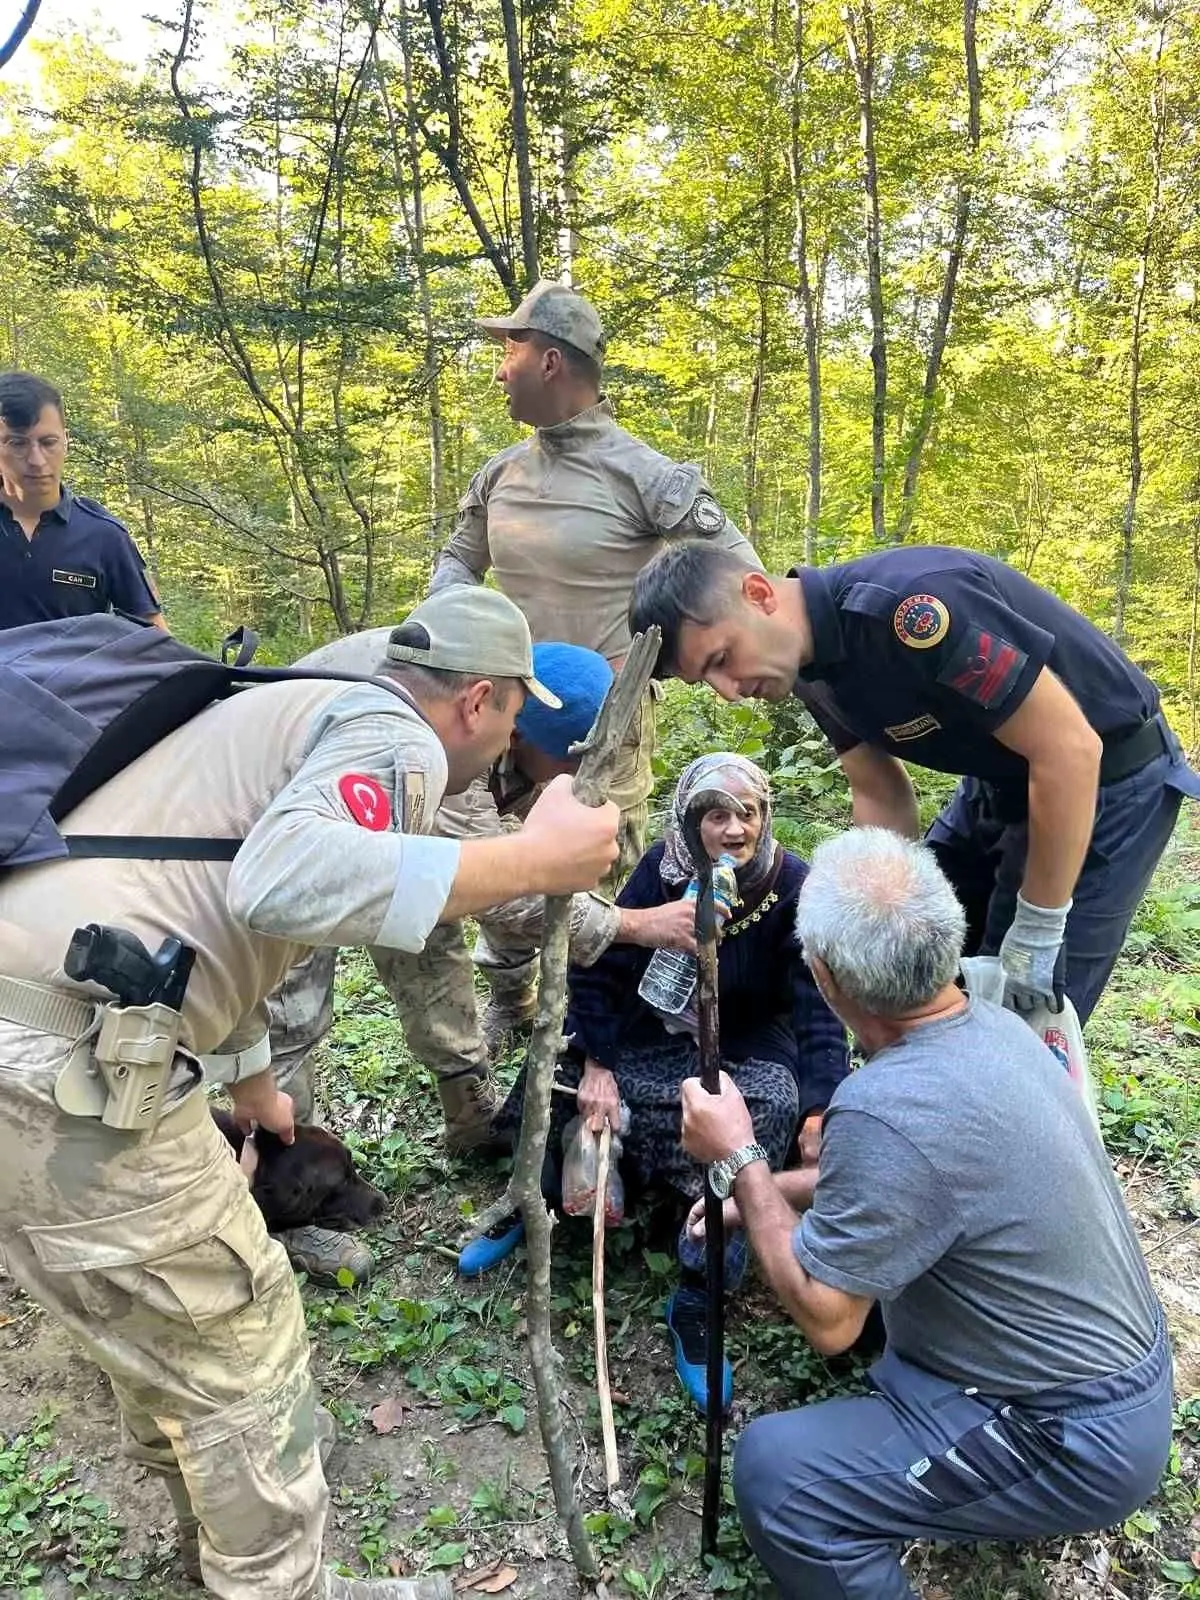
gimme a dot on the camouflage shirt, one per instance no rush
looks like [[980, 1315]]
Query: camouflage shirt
[[566, 519]]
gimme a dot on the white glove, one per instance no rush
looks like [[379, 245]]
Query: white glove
[[1029, 954]]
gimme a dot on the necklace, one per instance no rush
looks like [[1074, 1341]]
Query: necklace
[[760, 910]]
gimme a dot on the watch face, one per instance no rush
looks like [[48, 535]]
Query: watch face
[[718, 1179]]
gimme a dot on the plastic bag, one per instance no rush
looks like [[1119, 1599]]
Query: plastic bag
[[1059, 1031], [580, 1171]]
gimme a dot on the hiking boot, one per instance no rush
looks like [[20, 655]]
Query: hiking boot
[[468, 1105], [322, 1254], [434, 1586], [687, 1314], [507, 1018]]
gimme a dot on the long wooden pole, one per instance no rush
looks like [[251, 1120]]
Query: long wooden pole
[[709, 1041]]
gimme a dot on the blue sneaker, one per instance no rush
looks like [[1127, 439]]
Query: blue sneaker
[[692, 1256], [686, 1313], [482, 1254]]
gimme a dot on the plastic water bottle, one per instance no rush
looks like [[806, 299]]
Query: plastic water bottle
[[669, 981]]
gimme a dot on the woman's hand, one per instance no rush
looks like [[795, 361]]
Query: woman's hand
[[695, 1218], [599, 1098]]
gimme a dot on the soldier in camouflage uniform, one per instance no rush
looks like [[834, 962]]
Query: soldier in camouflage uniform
[[565, 520], [147, 1245], [433, 989]]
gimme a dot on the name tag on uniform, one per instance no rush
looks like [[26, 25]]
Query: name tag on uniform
[[414, 802], [77, 580], [916, 729]]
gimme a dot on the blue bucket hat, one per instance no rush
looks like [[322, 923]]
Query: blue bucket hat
[[580, 679]]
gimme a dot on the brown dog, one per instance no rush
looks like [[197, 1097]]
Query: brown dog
[[310, 1181]]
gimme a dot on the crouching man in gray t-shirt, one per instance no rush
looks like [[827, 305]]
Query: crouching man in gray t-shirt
[[1026, 1386]]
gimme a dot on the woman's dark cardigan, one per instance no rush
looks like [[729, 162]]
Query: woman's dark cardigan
[[770, 1008]]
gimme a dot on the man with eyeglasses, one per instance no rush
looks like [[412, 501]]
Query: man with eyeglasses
[[61, 555]]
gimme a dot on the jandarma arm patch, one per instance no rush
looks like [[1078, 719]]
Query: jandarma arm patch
[[921, 621]]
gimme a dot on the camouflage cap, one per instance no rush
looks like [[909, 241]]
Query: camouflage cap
[[472, 629], [558, 312]]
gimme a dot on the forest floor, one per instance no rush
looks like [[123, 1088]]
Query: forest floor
[[450, 1474]]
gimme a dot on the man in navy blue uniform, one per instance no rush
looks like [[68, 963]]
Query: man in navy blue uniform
[[60, 555], [1071, 778]]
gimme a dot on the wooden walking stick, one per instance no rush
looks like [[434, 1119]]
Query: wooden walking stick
[[709, 1041], [608, 1427], [524, 1191]]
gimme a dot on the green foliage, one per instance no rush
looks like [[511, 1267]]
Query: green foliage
[[48, 1520], [434, 1342], [288, 403]]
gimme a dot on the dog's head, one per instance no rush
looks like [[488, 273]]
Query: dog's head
[[310, 1181]]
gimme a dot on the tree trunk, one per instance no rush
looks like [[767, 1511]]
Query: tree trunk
[[964, 190], [1137, 332], [520, 121], [754, 402], [860, 41], [450, 152], [809, 307], [414, 226]]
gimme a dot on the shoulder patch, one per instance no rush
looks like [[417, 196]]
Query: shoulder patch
[[676, 485], [366, 801], [921, 621], [707, 514], [984, 668]]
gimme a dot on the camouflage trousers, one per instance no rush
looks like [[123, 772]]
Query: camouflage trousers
[[434, 992], [151, 1252], [434, 996]]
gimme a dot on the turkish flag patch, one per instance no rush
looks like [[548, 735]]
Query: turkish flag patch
[[984, 668], [366, 801]]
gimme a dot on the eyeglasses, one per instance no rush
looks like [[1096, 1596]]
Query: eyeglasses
[[20, 444]]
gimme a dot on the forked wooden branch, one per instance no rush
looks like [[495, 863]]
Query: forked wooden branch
[[524, 1191]]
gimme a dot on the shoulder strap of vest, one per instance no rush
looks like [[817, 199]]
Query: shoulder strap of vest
[[170, 847]]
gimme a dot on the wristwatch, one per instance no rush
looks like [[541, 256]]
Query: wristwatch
[[722, 1173]]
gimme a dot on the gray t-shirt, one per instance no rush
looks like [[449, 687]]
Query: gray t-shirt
[[963, 1185]]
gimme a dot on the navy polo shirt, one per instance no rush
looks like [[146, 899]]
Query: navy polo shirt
[[925, 651], [80, 560]]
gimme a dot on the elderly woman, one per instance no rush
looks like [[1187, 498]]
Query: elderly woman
[[779, 1041]]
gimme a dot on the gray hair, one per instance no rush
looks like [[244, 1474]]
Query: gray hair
[[879, 912]]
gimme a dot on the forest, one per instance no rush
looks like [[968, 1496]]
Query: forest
[[925, 272]]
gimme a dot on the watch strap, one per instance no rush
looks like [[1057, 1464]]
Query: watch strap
[[722, 1173]]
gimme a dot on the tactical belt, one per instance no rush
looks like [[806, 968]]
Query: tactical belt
[[1127, 753], [48, 1010], [45, 1009]]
